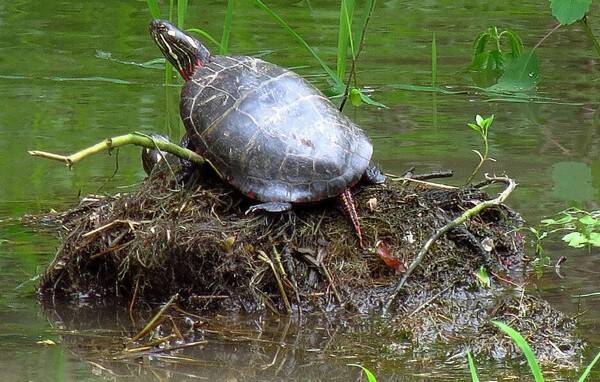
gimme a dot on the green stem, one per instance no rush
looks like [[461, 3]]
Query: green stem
[[138, 139], [588, 31]]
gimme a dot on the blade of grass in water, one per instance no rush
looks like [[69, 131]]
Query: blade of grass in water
[[153, 7], [224, 46], [433, 62], [368, 373], [181, 11], [207, 36], [472, 368], [589, 369], [300, 40], [525, 348], [344, 36]]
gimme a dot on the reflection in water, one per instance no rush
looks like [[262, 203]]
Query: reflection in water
[[228, 348]]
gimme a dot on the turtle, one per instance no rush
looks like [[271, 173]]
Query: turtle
[[266, 130]]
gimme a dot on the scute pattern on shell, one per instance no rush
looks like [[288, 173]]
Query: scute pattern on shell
[[270, 133]]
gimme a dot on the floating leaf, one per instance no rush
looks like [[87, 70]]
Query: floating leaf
[[589, 220], [564, 220], [575, 239], [520, 75], [569, 11]]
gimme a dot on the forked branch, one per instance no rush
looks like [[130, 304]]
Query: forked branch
[[510, 186], [137, 139]]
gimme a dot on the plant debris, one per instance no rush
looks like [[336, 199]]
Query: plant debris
[[196, 242]]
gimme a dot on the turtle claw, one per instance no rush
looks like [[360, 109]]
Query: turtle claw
[[272, 207], [373, 175]]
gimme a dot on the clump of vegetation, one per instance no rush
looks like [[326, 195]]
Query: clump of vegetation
[[582, 227]]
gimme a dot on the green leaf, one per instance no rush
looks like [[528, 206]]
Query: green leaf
[[589, 368], [483, 277], [575, 239], [480, 42], [564, 220], [589, 220], [368, 373], [520, 75], [569, 11], [525, 348], [355, 97], [474, 127], [153, 7], [594, 239], [370, 101], [224, 46], [472, 368], [515, 42]]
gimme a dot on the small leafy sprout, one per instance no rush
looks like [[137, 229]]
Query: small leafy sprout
[[483, 277], [481, 126], [541, 260], [490, 58], [583, 227]]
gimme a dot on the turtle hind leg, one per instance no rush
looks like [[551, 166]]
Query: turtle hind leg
[[272, 207], [349, 209], [373, 175]]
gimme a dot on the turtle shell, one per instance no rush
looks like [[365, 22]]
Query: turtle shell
[[270, 133]]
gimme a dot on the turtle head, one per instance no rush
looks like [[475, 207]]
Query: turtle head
[[184, 52]]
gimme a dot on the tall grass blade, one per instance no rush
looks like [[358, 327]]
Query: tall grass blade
[[181, 12], [224, 46], [154, 8], [433, 61], [337, 81], [207, 36], [369, 7], [370, 376], [589, 368], [472, 368], [524, 346], [344, 36]]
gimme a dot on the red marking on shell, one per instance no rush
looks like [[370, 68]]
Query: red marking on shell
[[251, 195]]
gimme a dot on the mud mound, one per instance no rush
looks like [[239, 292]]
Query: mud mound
[[197, 242]]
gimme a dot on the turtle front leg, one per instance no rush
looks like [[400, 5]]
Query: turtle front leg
[[270, 207], [373, 175], [349, 208]]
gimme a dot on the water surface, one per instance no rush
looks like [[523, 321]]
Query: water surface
[[59, 94]]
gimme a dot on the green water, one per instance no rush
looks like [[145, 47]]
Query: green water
[[58, 95]]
